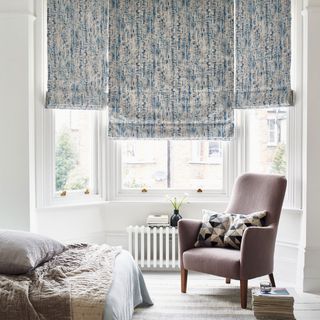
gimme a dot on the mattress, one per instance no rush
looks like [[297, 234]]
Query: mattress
[[128, 289]]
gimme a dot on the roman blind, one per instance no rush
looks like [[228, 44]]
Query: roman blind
[[77, 54], [171, 69], [263, 53], [167, 68]]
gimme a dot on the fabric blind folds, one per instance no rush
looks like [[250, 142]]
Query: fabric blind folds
[[263, 53], [167, 68], [77, 54], [171, 69]]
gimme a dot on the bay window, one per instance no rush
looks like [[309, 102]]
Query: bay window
[[138, 170], [80, 162]]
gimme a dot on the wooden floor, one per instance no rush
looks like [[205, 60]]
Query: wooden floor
[[307, 306]]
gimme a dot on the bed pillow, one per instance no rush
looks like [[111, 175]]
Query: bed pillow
[[213, 229], [21, 252], [240, 223]]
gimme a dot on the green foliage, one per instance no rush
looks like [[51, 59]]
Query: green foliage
[[279, 162], [66, 159], [77, 180]]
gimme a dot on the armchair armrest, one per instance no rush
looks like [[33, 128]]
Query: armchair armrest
[[257, 250], [188, 232]]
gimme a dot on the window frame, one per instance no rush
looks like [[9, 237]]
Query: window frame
[[117, 193], [45, 135], [51, 197], [78, 195]]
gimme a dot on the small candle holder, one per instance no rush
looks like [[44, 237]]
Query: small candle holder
[[265, 287]]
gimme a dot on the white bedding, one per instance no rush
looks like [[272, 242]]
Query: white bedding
[[127, 291]]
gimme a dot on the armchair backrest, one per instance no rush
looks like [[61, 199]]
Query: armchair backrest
[[257, 192]]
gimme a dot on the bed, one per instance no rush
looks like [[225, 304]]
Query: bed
[[77, 282], [128, 289]]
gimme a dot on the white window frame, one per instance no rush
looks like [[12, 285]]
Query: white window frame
[[46, 196], [76, 195], [109, 153], [117, 193], [50, 197]]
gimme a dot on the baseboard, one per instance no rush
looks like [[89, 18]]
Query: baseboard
[[286, 262], [310, 281]]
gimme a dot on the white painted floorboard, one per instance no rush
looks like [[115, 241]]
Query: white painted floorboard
[[307, 306]]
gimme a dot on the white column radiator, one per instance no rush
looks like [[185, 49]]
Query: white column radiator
[[154, 247]]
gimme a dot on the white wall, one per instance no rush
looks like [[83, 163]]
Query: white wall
[[107, 222], [16, 120], [310, 247]]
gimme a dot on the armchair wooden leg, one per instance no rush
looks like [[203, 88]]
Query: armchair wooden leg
[[184, 278], [272, 279], [243, 293], [228, 280]]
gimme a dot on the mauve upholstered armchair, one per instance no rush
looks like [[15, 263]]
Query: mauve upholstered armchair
[[251, 193]]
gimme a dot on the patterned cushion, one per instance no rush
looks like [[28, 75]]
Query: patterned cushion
[[213, 229], [240, 223]]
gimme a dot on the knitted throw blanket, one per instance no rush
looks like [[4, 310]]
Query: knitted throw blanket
[[71, 286]]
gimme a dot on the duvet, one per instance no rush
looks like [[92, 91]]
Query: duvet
[[74, 285]]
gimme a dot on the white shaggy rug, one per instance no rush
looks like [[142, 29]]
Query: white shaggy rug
[[207, 297]]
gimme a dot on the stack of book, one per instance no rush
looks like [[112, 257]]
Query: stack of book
[[278, 304], [158, 221]]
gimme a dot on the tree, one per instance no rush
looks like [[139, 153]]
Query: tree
[[77, 179], [65, 159], [279, 163]]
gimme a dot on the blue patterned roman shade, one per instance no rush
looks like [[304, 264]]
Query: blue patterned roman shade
[[263, 53], [171, 69], [77, 54]]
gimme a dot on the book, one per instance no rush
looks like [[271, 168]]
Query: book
[[277, 304], [158, 220], [274, 292]]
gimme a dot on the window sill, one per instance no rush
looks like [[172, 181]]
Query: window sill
[[220, 203], [72, 199]]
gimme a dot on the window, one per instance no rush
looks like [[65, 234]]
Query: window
[[70, 150], [276, 120], [272, 132], [266, 140], [136, 153], [74, 156], [170, 164], [207, 152]]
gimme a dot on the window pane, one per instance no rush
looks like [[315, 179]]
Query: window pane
[[73, 150], [196, 164], [144, 164], [266, 140], [164, 164]]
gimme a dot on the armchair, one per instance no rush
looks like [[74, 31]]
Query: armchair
[[251, 192]]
